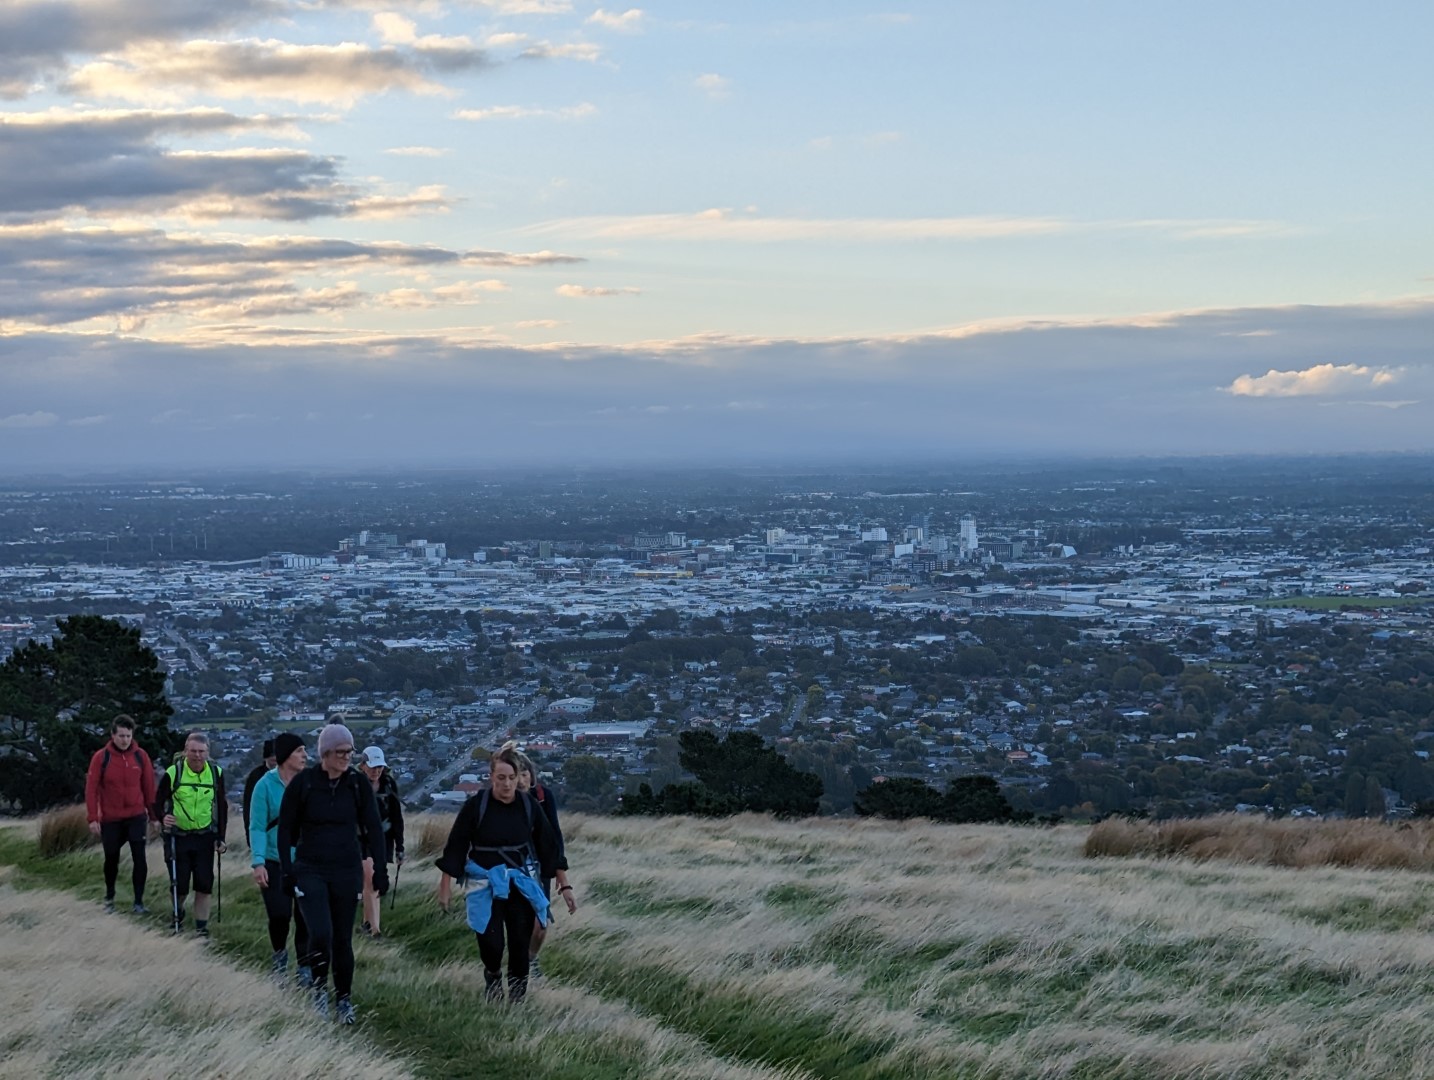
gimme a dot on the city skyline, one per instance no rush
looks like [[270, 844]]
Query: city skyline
[[271, 232]]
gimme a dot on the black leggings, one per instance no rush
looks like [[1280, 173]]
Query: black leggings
[[282, 908], [113, 836], [516, 915], [328, 902]]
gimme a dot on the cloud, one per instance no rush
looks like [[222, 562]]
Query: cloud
[[527, 7], [1073, 388], [629, 21], [112, 162], [1321, 380], [36, 36], [51, 275], [335, 74], [576, 50], [419, 151], [537, 324], [588, 291], [523, 112], [726, 224], [713, 85], [29, 420], [87, 421]]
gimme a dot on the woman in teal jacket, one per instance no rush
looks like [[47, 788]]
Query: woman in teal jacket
[[264, 843]]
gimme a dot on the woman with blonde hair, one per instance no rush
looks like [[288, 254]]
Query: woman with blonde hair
[[501, 846]]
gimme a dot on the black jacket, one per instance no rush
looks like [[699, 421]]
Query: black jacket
[[504, 826], [333, 823], [250, 783], [548, 800], [390, 809]]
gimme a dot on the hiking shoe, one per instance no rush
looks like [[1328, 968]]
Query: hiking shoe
[[493, 985], [202, 932], [321, 1003], [304, 977], [376, 935], [517, 990], [535, 969], [366, 930], [140, 909], [279, 966], [347, 1013], [109, 905]]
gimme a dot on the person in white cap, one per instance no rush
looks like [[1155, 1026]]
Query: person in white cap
[[390, 812]]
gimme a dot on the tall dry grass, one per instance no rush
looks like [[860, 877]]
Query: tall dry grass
[[64, 830], [89, 995], [429, 832], [1289, 842]]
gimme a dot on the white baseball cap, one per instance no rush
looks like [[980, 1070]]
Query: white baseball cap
[[373, 758]]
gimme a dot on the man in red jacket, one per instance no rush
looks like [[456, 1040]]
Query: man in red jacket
[[119, 791]]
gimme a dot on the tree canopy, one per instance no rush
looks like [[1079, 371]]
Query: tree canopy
[[58, 699], [734, 775]]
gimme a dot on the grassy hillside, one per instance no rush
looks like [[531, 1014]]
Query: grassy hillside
[[753, 949]]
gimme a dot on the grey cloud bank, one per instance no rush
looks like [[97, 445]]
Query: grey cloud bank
[[1153, 386]]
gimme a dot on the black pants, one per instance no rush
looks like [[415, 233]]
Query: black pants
[[515, 915], [282, 909], [194, 859], [328, 900], [113, 836]]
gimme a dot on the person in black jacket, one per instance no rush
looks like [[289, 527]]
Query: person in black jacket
[[501, 831], [329, 818], [548, 802], [390, 811], [252, 780]]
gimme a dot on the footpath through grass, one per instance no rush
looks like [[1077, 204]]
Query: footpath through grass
[[891, 951]]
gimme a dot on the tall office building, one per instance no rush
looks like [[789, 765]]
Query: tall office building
[[969, 542]]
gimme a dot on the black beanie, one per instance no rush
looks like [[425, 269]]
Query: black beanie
[[268, 748], [284, 745]]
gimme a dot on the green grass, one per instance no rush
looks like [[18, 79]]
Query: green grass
[[1338, 603], [811, 950]]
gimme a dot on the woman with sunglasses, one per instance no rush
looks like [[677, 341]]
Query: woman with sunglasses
[[329, 820]]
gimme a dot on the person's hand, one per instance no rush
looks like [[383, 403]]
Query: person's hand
[[291, 885], [398, 856], [380, 881], [94, 828], [220, 846], [445, 891], [570, 900], [261, 876], [169, 821]]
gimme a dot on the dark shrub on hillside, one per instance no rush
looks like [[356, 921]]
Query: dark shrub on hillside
[[967, 799], [734, 775]]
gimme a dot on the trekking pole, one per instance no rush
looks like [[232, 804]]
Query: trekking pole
[[393, 896], [173, 862], [219, 885]]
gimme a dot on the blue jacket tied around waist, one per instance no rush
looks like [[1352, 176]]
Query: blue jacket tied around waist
[[484, 885]]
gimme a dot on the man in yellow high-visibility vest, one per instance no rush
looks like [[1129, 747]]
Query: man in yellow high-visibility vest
[[193, 807]]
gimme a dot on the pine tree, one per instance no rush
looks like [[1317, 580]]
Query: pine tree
[[58, 699]]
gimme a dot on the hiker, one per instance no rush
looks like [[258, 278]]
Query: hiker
[[528, 781], [390, 813], [282, 908], [255, 775], [328, 829], [119, 790], [193, 808], [496, 840]]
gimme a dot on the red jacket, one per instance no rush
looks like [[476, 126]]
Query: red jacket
[[126, 789]]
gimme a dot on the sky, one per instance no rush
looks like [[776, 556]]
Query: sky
[[305, 233]]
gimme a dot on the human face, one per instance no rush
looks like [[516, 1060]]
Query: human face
[[525, 780], [336, 760], [122, 737], [196, 753], [505, 781], [373, 772], [297, 760]]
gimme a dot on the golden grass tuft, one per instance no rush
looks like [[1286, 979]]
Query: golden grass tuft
[[429, 832], [1361, 844], [84, 995], [64, 830]]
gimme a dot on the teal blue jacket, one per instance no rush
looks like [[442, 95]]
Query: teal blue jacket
[[264, 818]]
